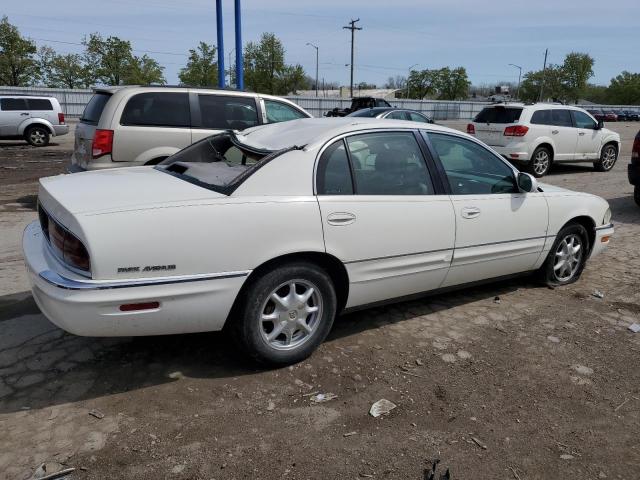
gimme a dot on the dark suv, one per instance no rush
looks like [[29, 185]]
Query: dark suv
[[358, 104], [634, 168]]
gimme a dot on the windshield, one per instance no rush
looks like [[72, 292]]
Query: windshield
[[219, 162]]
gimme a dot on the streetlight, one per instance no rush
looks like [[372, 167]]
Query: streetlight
[[519, 77], [409, 76], [312, 45], [230, 64]]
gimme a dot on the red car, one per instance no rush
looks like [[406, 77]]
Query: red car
[[610, 116]]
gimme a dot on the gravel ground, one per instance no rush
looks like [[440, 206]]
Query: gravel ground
[[504, 381]]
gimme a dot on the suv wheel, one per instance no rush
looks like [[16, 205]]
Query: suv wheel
[[540, 162], [285, 314], [608, 158], [37, 136]]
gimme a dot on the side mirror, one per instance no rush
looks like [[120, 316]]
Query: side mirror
[[527, 183], [600, 124]]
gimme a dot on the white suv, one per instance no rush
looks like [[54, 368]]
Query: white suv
[[541, 134], [133, 126], [32, 118]]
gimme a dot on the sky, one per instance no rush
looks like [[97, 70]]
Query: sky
[[482, 36]]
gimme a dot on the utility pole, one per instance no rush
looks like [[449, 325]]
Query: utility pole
[[314, 46], [353, 29], [544, 71]]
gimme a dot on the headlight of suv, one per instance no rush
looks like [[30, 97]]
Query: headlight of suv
[[607, 217]]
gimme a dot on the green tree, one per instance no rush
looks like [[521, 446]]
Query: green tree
[[291, 79], [201, 69], [625, 89], [144, 71], [422, 83], [452, 84], [555, 86], [107, 59], [62, 71], [577, 69], [18, 63], [263, 64]]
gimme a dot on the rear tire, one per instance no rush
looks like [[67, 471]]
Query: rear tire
[[283, 315], [37, 136], [608, 157], [567, 257], [540, 162]]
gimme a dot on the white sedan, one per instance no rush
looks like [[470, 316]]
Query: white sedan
[[272, 232]]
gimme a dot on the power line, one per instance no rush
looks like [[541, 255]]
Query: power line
[[133, 49]]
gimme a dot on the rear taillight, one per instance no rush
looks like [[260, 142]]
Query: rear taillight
[[60, 118], [65, 245], [102, 143], [516, 131], [471, 130], [635, 150]]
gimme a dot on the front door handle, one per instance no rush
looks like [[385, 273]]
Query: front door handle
[[341, 218], [555, 131], [470, 212], [24, 114], [581, 134]]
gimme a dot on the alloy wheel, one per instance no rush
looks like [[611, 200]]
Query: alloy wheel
[[541, 162], [608, 158], [291, 314], [37, 137], [568, 257]]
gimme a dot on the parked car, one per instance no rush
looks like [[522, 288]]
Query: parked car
[[596, 113], [132, 126], [392, 113], [268, 233], [358, 103], [634, 168], [610, 116], [632, 116], [621, 115], [541, 134], [32, 118]]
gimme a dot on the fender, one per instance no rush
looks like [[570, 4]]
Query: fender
[[540, 141], [153, 153], [611, 137], [39, 121]]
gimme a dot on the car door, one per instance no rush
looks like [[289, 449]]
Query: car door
[[42, 108], [499, 230], [589, 136], [13, 111], [384, 215], [557, 125]]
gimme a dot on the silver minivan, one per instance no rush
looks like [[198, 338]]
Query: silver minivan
[[32, 118], [133, 126]]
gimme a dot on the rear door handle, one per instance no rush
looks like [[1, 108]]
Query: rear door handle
[[581, 134], [341, 218], [470, 212], [555, 131], [24, 114]]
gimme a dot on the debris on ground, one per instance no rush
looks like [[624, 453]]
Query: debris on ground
[[271, 406], [496, 300], [430, 473], [349, 434], [97, 413], [51, 470], [478, 443], [381, 407], [634, 327], [323, 397], [598, 294]]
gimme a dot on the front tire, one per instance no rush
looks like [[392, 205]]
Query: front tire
[[283, 315], [567, 257], [37, 136], [608, 157], [636, 194], [540, 162]]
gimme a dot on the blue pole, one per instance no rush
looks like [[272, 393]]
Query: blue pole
[[220, 44], [239, 60]]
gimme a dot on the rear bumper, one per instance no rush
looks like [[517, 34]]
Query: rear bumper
[[60, 130], [602, 239], [80, 306], [517, 152]]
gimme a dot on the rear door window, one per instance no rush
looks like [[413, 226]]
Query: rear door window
[[39, 104], [561, 118], [94, 108], [157, 109], [281, 112], [541, 117], [499, 115], [397, 115], [334, 174], [13, 104], [224, 112]]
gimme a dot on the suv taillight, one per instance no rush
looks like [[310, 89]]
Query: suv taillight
[[60, 118], [102, 143], [635, 150], [516, 131], [471, 130]]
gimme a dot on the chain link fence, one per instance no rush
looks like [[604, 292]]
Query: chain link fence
[[74, 100]]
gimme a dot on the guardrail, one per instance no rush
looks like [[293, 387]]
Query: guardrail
[[74, 100]]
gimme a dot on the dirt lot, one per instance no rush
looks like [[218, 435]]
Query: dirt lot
[[540, 384]]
